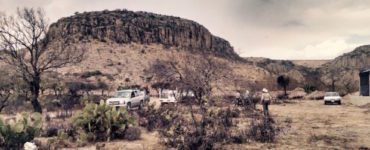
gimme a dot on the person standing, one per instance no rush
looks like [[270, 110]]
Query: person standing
[[237, 98], [247, 99], [265, 99]]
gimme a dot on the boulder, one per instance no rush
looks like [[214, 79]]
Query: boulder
[[30, 146]]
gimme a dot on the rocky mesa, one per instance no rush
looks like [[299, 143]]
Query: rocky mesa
[[123, 26]]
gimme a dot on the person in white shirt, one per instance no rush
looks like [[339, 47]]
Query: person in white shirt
[[265, 100]]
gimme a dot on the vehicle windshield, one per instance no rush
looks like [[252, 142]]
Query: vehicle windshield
[[331, 94], [123, 94]]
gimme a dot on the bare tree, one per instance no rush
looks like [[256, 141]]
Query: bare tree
[[333, 76], [198, 74], [26, 44]]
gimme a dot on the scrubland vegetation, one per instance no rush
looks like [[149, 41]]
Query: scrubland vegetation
[[55, 110]]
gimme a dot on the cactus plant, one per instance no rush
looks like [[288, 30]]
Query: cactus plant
[[102, 121], [24, 129]]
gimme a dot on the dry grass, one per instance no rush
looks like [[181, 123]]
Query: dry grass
[[318, 126]]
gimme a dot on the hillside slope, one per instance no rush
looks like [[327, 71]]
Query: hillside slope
[[346, 68], [123, 44]]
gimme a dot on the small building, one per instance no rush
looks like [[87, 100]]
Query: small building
[[365, 83]]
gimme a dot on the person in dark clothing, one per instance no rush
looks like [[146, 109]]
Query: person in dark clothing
[[265, 99]]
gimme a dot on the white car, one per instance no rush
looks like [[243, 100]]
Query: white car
[[168, 96], [332, 97], [128, 98]]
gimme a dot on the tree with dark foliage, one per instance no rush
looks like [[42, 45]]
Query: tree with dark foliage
[[283, 81], [159, 86], [26, 44]]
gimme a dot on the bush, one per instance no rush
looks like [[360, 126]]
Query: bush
[[88, 74], [151, 119], [102, 122], [24, 129], [135, 86], [240, 137], [51, 131], [308, 88], [263, 131], [213, 128], [132, 134]]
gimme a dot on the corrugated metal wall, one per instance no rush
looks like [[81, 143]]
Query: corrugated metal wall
[[364, 84]]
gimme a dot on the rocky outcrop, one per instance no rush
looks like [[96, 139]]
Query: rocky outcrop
[[357, 59], [124, 26], [345, 69]]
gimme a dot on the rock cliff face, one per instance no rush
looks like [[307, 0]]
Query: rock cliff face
[[124, 26], [345, 69], [358, 59]]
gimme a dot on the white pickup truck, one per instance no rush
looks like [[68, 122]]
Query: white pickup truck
[[129, 98]]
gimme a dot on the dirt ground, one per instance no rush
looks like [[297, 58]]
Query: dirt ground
[[314, 125]]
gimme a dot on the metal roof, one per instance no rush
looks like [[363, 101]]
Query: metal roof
[[365, 71]]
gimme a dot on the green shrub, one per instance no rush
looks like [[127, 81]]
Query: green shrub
[[102, 122], [24, 129], [308, 88], [89, 74]]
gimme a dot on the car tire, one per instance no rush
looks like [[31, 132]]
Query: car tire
[[325, 103], [141, 105], [128, 106], [339, 103]]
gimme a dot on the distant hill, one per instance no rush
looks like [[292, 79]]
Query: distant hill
[[343, 69], [122, 44], [357, 59], [310, 63]]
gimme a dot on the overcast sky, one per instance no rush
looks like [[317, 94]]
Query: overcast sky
[[279, 29]]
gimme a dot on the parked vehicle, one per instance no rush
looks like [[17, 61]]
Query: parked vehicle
[[129, 98], [332, 97], [168, 96]]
